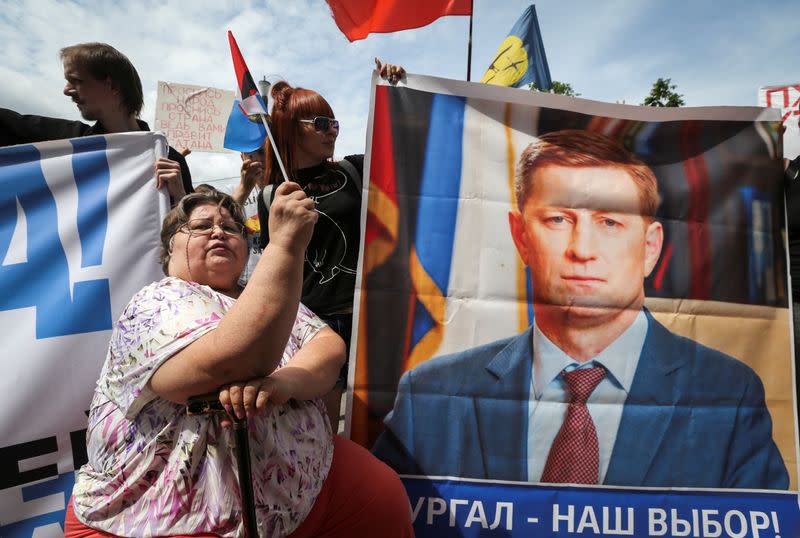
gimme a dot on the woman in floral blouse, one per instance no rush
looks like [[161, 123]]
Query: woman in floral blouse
[[155, 471]]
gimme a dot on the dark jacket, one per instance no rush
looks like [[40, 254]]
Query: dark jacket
[[694, 417]]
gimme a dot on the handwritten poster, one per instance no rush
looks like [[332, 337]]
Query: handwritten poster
[[193, 117]]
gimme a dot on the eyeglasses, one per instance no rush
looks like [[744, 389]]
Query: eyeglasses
[[206, 227], [323, 123]]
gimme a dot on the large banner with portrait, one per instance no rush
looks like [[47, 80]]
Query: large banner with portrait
[[573, 316], [79, 235]]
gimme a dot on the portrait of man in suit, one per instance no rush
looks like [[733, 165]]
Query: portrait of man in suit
[[596, 391]]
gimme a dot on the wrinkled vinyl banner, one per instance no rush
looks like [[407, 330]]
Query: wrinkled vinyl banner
[[516, 245], [79, 235]]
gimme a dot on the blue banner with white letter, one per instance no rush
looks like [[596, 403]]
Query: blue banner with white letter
[[79, 225]]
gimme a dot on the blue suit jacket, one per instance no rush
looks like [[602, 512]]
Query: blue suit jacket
[[694, 417]]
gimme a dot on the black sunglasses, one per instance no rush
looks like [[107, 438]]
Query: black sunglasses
[[323, 123]]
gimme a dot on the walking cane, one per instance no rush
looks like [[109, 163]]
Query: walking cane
[[208, 404]]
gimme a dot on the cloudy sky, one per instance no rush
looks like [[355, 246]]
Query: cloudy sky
[[718, 53]]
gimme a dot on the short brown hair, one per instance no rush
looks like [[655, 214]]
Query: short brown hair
[[103, 62], [579, 148], [179, 215], [289, 105]]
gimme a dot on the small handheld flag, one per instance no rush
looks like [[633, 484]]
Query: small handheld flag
[[251, 99], [251, 104], [242, 133], [520, 60]]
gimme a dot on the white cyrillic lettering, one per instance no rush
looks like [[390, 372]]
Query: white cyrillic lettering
[[476, 513], [680, 527], [775, 523], [432, 511], [742, 532], [569, 517], [509, 516], [588, 519], [656, 522], [617, 528], [454, 504], [759, 521], [709, 524], [415, 510]]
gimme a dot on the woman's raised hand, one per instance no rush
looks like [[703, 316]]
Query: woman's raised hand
[[291, 217]]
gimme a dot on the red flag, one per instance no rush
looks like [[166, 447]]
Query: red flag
[[379, 243], [359, 18], [251, 99]]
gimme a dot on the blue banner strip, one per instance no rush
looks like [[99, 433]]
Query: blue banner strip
[[444, 508]]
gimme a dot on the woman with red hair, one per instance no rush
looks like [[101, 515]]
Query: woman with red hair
[[305, 130]]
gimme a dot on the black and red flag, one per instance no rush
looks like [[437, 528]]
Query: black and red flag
[[252, 102]]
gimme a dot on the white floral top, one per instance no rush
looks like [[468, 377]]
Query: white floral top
[[155, 471]]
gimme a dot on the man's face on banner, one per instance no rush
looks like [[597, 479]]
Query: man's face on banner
[[582, 235]]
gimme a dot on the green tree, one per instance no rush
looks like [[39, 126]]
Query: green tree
[[561, 88], [663, 94]]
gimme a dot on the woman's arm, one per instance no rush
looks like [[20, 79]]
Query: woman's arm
[[311, 373], [250, 339]]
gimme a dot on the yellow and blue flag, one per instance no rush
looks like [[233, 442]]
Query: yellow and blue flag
[[520, 60]]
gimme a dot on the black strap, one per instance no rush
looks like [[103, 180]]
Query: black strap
[[353, 172], [268, 194]]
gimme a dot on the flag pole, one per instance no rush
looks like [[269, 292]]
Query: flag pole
[[263, 89], [274, 146], [469, 42]]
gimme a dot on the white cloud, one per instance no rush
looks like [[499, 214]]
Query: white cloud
[[607, 50]]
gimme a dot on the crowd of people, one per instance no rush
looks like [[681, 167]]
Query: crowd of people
[[272, 352]]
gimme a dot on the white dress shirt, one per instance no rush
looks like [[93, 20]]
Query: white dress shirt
[[549, 396]]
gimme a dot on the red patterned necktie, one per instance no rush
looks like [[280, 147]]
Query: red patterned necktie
[[574, 456]]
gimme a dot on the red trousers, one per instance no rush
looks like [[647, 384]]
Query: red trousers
[[361, 496]]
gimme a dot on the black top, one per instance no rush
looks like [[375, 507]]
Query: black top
[[329, 271], [17, 128]]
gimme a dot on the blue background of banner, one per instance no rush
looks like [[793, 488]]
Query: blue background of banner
[[61, 485], [64, 276]]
